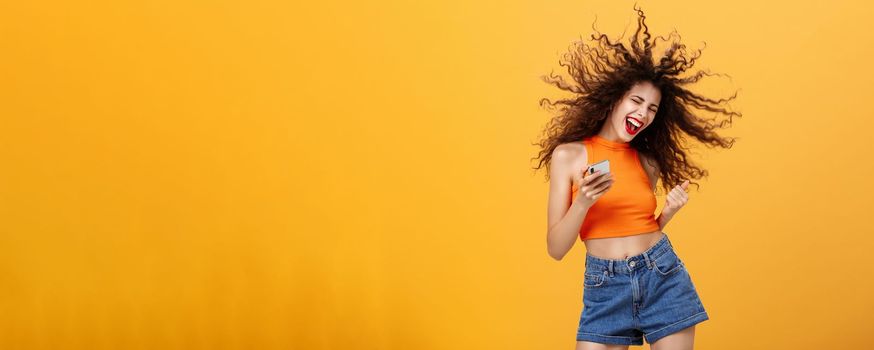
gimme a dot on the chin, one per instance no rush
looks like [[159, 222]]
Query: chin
[[625, 136]]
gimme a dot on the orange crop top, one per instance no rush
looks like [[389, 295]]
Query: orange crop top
[[628, 207]]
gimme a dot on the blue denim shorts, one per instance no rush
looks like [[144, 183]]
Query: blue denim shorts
[[647, 295]]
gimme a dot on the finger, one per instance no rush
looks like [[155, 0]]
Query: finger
[[591, 190], [592, 174], [672, 196], [602, 179], [685, 184], [602, 184], [597, 194], [592, 177], [602, 187]]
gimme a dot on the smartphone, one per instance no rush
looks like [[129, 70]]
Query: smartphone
[[602, 166]]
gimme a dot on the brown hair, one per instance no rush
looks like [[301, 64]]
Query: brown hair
[[604, 72]]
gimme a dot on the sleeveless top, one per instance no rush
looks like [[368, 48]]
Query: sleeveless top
[[628, 207]]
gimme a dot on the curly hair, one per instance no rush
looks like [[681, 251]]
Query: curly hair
[[605, 71]]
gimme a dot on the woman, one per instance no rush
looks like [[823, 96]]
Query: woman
[[630, 111]]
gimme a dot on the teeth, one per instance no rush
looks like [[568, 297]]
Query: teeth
[[634, 122]]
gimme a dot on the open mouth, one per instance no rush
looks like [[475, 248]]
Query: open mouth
[[632, 125]]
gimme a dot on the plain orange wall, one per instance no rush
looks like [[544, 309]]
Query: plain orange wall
[[324, 175]]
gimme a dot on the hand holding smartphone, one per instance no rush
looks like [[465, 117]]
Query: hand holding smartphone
[[593, 187], [602, 166]]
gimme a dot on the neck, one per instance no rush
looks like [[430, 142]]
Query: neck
[[608, 134]]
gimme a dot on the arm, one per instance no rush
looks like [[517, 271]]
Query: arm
[[652, 170], [663, 220], [564, 215]]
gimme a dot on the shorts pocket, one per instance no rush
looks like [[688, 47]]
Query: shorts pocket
[[668, 264], [592, 280]]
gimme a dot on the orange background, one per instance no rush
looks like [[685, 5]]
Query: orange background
[[324, 175]]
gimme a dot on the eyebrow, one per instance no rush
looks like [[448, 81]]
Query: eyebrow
[[657, 106]]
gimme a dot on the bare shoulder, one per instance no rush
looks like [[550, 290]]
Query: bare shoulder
[[568, 156], [648, 161], [569, 151], [651, 167]]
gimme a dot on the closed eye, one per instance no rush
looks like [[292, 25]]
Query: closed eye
[[654, 110]]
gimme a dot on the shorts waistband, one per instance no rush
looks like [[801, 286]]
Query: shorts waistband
[[626, 265]]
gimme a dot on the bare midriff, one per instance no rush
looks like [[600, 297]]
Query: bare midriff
[[621, 247]]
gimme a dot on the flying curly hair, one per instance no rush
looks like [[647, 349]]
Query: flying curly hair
[[602, 73]]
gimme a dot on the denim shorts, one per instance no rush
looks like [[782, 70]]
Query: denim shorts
[[647, 295]]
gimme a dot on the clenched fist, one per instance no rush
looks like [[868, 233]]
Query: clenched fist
[[676, 199]]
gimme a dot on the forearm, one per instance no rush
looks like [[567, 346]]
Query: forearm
[[561, 237], [663, 219]]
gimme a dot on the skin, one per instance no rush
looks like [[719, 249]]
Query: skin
[[565, 215], [682, 340], [641, 102]]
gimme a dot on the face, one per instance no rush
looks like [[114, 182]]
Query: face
[[633, 112]]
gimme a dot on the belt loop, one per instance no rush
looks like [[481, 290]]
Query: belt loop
[[610, 268], [648, 261]]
